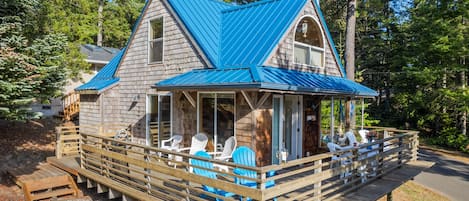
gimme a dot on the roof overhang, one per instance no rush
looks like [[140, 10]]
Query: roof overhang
[[271, 79]]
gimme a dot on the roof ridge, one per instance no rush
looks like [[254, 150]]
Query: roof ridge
[[249, 5]]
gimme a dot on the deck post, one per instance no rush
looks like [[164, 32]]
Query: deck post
[[58, 145], [317, 185], [102, 188], [389, 196], [112, 194], [380, 159], [148, 171], [399, 154]]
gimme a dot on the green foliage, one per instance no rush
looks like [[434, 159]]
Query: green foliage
[[77, 19], [450, 137], [339, 115], [415, 53]]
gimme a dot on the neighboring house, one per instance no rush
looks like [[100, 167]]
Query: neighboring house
[[257, 72], [98, 57]]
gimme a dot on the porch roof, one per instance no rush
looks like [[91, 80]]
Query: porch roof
[[269, 78]]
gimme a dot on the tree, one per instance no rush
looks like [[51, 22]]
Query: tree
[[31, 66], [350, 58], [80, 21]]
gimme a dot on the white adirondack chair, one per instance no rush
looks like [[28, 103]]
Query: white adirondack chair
[[198, 143], [363, 134], [172, 143], [343, 158], [226, 154]]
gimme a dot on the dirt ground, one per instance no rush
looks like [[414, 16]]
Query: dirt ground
[[23, 145]]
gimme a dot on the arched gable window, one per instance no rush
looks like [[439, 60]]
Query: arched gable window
[[309, 43]]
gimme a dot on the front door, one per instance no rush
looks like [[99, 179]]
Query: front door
[[292, 125], [287, 127]]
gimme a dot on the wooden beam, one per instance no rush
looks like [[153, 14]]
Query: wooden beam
[[263, 99], [248, 100], [190, 99]]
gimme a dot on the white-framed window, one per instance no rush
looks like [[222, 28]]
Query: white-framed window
[[216, 117], [155, 40], [309, 43]]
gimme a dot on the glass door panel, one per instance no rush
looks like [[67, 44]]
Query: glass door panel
[[207, 117], [225, 118], [153, 127], [165, 118], [159, 119], [277, 130]]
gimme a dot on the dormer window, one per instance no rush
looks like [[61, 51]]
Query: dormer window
[[309, 43], [155, 40]]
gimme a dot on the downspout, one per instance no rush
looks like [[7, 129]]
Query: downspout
[[332, 120], [101, 113]]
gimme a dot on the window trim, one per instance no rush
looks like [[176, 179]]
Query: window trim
[[215, 123], [149, 40], [323, 65]]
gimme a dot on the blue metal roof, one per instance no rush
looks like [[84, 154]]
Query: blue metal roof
[[251, 32], [203, 19], [270, 78], [105, 76]]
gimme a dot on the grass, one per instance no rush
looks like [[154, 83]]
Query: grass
[[412, 191]]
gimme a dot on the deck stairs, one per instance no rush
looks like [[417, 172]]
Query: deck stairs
[[71, 106], [46, 182]]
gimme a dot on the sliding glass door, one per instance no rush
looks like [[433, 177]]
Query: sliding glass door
[[216, 117], [158, 119]]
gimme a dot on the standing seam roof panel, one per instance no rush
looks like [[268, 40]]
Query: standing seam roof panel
[[203, 20], [247, 39]]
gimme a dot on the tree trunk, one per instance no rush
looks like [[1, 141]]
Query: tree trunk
[[350, 58], [99, 41], [464, 113]]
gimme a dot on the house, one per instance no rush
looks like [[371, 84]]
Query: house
[[257, 72], [97, 57]]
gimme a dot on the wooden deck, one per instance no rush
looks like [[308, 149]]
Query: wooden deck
[[45, 182], [371, 191], [148, 173], [386, 184]]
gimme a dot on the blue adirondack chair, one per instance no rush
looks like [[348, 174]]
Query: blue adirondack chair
[[245, 156], [207, 173]]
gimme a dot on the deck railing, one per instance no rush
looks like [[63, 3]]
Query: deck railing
[[166, 174]]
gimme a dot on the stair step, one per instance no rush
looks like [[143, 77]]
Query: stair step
[[53, 194]]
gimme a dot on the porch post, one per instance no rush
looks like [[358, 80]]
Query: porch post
[[363, 112], [332, 120]]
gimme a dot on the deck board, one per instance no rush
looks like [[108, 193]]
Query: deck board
[[70, 163], [389, 182], [41, 171]]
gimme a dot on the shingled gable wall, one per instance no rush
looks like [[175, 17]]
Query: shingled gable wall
[[282, 55], [137, 76]]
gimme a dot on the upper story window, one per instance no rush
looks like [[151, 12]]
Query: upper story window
[[309, 43], [155, 40]]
